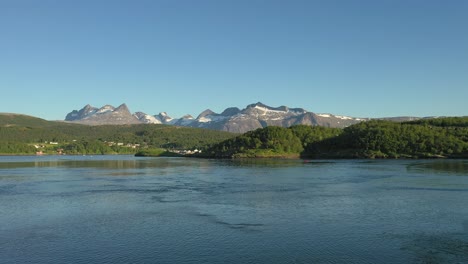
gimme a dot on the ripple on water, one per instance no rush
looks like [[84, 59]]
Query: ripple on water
[[201, 211], [437, 248]]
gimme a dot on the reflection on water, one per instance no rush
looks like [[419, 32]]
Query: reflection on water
[[122, 209], [98, 163], [440, 248], [264, 162], [458, 167]]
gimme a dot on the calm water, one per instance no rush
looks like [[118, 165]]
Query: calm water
[[122, 209]]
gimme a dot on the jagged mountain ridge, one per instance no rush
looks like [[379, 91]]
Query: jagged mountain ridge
[[260, 115], [232, 119], [106, 115]]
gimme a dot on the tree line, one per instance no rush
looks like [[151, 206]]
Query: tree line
[[385, 139], [431, 138], [271, 141]]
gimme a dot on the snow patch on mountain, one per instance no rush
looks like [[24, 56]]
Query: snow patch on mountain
[[105, 109], [104, 115], [212, 118], [340, 117], [231, 119], [147, 119], [344, 117], [266, 110]]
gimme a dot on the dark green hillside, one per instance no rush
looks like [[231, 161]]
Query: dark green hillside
[[270, 142], [7, 119], [384, 139], [312, 134], [430, 138], [442, 122], [19, 134]]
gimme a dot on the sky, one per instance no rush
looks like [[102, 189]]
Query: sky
[[361, 58]]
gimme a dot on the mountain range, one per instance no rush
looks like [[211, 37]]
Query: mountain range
[[232, 119]]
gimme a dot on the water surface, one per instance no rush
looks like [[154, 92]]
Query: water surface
[[122, 209]]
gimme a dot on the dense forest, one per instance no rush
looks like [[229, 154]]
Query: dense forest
[[28, 135], [425, 138], [428, 138], [384, 139], [271, 142]]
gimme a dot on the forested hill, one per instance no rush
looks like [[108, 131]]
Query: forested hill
[[426, 138], [381, 139], [20, 134], [442, 122], [271, 142], [7, 119], [433, 138]]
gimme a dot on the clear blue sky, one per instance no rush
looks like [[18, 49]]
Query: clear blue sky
[[361, 58]]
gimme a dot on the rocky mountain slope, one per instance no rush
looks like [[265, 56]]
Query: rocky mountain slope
[[106, 115], [232, 119], [260, 115]]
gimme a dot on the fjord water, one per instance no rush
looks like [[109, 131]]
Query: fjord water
[[122, 209]]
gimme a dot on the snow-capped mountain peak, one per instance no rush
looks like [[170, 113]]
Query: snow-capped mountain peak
[[104, 115], [207, 112], [147, 119], [164, 118], [232, 119]]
